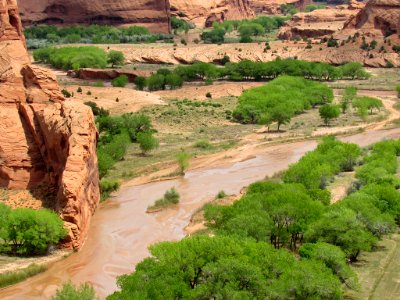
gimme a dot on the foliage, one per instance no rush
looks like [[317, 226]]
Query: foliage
[[281, 99], [43, 35], [215, 36], [115, 58], [97, 111], [13, 277], [120, 81], [316, 169], [71, 292], [349, 94], [367, 103], [140, 83], [183, 161], [328, 112], [68, 58], [225, 268], [147, 141], [398, 90], [171, 197], [107, 187], [312, 7], [28, 232], [203, 144]]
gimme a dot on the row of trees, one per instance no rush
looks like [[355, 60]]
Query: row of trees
[[25, 231], [44, 35], [68, 58], [249, 253], [280, 100]]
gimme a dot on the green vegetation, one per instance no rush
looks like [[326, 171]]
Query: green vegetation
[[10, 278], [70, 292], [116, 58], [43, 36], [120, 81], [68, 58], [367, 104], [24, 231], [107, 186], [398, 90], [288, 9], [245, 28], [179, 25], [312, 7], [349, 94], [171, 197], [147, 142], [280, 100], [329, 112], [183, 161]]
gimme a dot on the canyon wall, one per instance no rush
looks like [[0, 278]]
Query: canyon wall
[[204, 12], [379, 18], [273, 7], [45, 141], [153, 14]]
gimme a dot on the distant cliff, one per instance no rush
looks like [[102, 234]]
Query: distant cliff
[[153, 14], [45, 140]]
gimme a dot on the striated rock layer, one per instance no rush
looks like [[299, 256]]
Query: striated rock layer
[[153, 14], [273, 7], [205, 12], [319, 22], [379, 18], [44, 140]]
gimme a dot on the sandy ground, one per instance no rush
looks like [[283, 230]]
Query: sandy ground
[[217, 90], [116, 100]]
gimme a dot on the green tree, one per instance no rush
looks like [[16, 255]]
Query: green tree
[[173, 81], [120, 81], [140, 83], [115, 58], [156, 82], [71, 292], [183, 161], [281, 114], [329, 112], [147, 141]]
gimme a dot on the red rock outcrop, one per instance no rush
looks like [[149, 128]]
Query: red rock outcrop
[[378, 18], [153, 14], [205, 12], [273, 7], [44, 140], [319, 22]]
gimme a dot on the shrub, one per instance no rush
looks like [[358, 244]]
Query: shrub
[[147, 141], [120, 81], [30, 232], [140, 83], [183, 161], [115, 58], [97, 111], [328, 112], [221, 195], [70, 292], [107, 187], [13, 277], [208, 95], [67, 58], [171, 197], [398, 90], [203, 144]]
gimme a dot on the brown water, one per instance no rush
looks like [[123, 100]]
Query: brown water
[[121, 230]]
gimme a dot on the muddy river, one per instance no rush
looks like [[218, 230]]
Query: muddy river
[[121, 230]]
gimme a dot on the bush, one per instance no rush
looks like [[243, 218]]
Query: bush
[[183, 161], [398, 90], [30, 232], [70, 292], [97, 111], [208, 95], [171, 197], [13, 277], [116, 58], [120, 81], [68, 58], [203, 144], [140, 83], [328, 112], [107, 187], [147, 141]]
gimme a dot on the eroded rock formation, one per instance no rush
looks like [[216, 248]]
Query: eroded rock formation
[[379, 18], [44, 140], [205, 12], [153, 14], [320, 22], [273, 7]]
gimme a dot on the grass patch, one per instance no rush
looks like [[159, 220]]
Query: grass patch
[[171, 197], [10, 278]]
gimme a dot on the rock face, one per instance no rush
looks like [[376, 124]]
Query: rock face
[[153, 14], [319, 22], [378, 18], [44, 140], [205, 12], [273, 7]]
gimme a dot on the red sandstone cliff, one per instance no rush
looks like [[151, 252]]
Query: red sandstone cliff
[[320, 22], [44, 140], [273, 7], [153, 14], [205, 12], [378, 18]]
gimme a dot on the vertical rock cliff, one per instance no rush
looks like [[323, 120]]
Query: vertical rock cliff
[[205, 12], [44, 140], [153, 14]]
